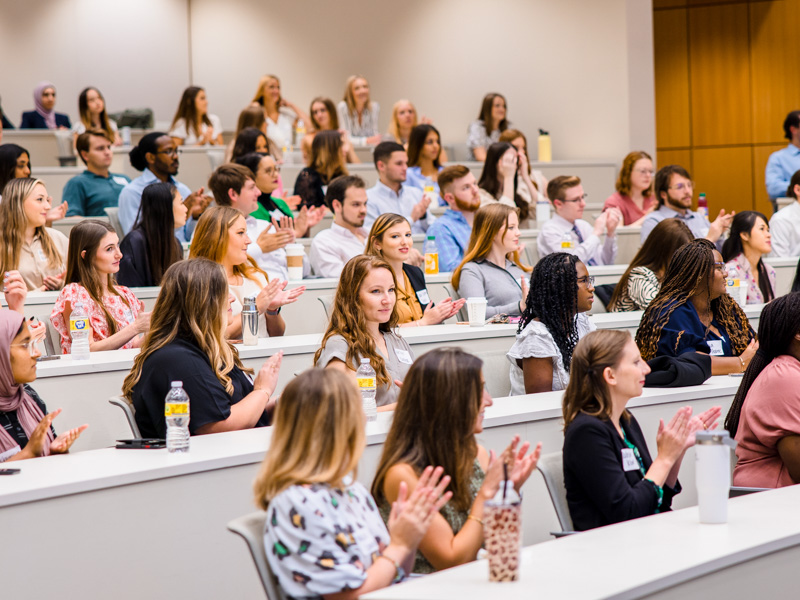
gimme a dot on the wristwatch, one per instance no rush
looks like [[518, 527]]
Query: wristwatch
[[274, 313]]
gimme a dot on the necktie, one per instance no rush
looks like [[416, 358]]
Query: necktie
[[591, 262]]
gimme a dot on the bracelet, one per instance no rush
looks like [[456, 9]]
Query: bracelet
[[474, 518], [741, 360], [400, 572], [274, 313]]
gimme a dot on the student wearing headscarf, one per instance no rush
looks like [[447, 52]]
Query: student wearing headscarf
[[44, 117], [25, 426]]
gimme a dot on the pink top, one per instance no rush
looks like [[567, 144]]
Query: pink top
[[630, 212], [771, 411], [122, 313]]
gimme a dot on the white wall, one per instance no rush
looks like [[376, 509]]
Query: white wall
[[573, 67]]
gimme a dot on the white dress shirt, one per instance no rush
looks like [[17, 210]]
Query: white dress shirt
[[383, 199], [332, 248], [591, 248], [274, 263], [784, 226]]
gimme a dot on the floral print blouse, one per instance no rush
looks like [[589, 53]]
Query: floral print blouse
[[743, 272]]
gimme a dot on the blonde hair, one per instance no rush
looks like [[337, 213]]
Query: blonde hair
[[489, 220], [259, 97], [349, 98], [211, 241], [381, 225], [318, 435], [394, 124], [13, 223]]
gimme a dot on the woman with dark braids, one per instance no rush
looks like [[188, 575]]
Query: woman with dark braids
[[561, 293], [765, 414], [693, 313]]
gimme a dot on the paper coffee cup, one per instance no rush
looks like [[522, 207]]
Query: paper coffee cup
[[294, 260], [476, 309]]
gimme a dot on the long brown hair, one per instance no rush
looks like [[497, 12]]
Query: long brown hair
[[192, 305], [434, 422], [347, 318], [187, 110], [13, 223], [326, 155], [318, 435], [509, 135], [655, 253], [381, 225], [587, 390], [486, 113], [332, 114], [211, 240], [84, 240], [489, 220], [623, 184], [86, 117]]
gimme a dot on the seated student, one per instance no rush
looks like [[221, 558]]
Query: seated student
[[89, 193], [36, 251], [693, 313], [390, 239], [743, 254], [424, 157], [252, 117], [192, 124], [403, 120], [93, 115], [491, 267], [782, 163], [608, 472], [282, 115], [785, 224], [358, 115], [157, 156], [561, 293], [567, 232], [151, 247], [332, 248], [15, 162], [44, 117], [517, 139], [324, 537], [634, 195], [763, 417], [391, 194], [642, 279], [187, 343], [327, 163], [440, 411], [451, 231], [673, 187], [506, 179], [324, 118], [361, 325], [25, 425], [249, 140], [116, 315], [221, 236], [487, 129]]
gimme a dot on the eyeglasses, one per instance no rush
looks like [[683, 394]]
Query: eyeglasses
[[720, 266], [578, 199], [170, 152], [645, 171], [587, 280], [31, 346], [682, 186], [272, 170]]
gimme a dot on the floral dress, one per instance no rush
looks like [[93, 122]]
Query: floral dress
[[123, 312], [321, 540]]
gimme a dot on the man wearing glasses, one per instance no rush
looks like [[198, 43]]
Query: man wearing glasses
[[674, 190], [568, 232]]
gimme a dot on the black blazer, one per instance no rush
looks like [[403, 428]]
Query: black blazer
[[599, 491], [417, 279], [33, 120], [134, 268]]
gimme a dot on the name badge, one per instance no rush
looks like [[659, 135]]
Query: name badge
[[422, 296], [9, 453], [716, 347], [42, 256], [629, 462], [120, 180], [277, 214], [403, 356]]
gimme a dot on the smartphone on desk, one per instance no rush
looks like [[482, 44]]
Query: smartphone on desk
[[46, 358], [141, 444], [10, 471]]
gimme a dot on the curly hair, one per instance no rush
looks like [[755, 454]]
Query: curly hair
[[689, 273], [553, 299], [623, 183]]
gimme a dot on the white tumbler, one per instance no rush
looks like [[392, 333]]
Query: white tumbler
[[476, 309], [713, 472]]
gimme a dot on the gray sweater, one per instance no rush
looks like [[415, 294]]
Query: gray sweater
[[501, 287]]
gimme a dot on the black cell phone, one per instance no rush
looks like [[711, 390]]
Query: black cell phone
[[10, 471], [46, 358], [141, 444]]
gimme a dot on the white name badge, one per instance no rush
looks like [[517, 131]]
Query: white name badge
[[716, 347], [42, 255], [120, 180], [277, 214], [403, 356], [9, 453], [422, 296], [629, 462]]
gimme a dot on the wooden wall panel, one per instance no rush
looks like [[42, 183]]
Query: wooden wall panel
[[725, 175], [719, 75], [674, 157], [760, 156], [670, 49]]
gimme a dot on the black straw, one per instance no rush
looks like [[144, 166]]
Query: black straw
[[505, 479]]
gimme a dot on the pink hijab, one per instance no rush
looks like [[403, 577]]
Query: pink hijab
[[13, 396], [49, 115]]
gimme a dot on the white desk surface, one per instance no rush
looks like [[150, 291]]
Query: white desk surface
[[628, 560]]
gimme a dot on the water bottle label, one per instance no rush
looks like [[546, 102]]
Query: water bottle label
[[78, 324], [432, 263], [366, 383], [733, 283], [567, 244], [176, 408]]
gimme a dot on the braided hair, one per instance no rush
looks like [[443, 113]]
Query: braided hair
[[780, 322], [689, 273], [553, 299]]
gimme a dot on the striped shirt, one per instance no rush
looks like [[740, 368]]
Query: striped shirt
[[359, 131], [643, 285]]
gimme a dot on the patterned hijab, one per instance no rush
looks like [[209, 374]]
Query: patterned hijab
[[13, 396], [49, 115]]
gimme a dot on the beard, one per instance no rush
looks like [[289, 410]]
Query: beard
[[470, 205]]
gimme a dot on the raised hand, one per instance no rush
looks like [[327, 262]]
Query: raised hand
[[64, 441], [412, 514], [15, 290]]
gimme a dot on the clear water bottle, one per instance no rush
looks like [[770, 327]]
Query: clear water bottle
[[431, 256], [566, 241], [79, 331], [368, 386], [176, 413], [299, 132]]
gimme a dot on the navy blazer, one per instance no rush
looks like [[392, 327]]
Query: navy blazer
[[33, 120], [417, 280], [599, 491]]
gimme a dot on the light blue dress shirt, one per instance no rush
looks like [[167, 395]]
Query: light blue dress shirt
[[452, 232], [382, 199], [415, 178], [130, 198], [780, 168]]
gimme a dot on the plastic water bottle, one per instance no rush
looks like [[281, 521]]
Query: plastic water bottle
[[566, 241], [431, 256], [429, 191], [79, 331], [299, 132], [368, 387], [176, 413], [702, 205]]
